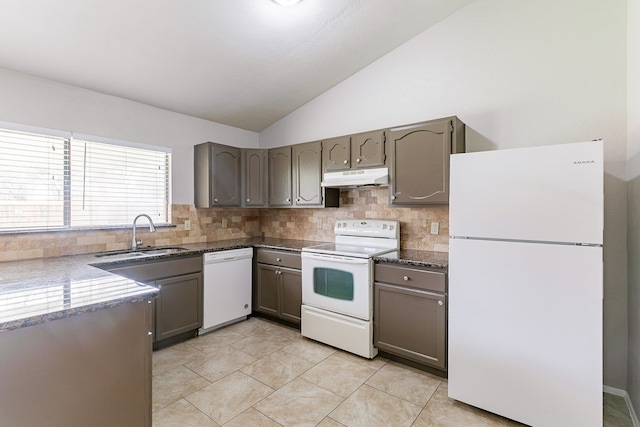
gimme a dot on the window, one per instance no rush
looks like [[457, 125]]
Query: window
[[60, 182]]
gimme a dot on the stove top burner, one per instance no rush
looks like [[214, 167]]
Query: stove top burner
[[348, 250], [361, 239]]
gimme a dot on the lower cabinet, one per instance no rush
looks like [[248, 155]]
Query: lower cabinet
[[177, 309], [278, 284], [92, 369], [410, 313]]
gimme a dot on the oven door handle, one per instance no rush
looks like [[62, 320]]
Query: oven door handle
[[335, 258]]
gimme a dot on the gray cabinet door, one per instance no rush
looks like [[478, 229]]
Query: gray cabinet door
[[267, 290], [307, 174], [280, 186], [336, 154], [178, 305], [410, 323], [225, 175], [420, 163], [290, 295], [367, 149], [216, 175], [254, 177]]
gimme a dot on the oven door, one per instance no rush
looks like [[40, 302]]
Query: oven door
[[337, 283]]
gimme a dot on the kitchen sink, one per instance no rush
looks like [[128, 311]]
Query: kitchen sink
[[139, 253]]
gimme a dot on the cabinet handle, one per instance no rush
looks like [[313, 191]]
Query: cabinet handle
[[345, 161], [393, 197], [440, 302], [278, 259], [358, 160], [405, 278], [288, 200], [248, 200], [215, 200], [159, 286]]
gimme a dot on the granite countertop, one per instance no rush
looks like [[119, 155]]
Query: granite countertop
[[417, 258], [36, 291]]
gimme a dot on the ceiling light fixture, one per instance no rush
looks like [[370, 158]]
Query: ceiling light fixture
[[287, 2]]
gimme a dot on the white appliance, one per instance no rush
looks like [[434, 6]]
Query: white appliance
[[227, 287], [356, 178], [525, 283], [337, 284]]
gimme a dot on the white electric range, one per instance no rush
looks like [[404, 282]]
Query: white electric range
[[337, 284]]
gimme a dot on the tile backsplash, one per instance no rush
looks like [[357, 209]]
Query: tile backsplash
[[367, 203], [231, 223]]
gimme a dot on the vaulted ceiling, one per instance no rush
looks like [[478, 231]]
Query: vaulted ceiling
[[244, 63]]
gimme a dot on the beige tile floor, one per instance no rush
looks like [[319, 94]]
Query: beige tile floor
[[260, 373]]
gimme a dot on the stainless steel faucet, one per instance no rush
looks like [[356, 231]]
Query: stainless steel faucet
[[135, 242]]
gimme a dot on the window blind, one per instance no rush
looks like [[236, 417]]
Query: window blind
[[52, 182]]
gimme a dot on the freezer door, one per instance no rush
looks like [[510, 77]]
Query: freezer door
[[525, 331], [551, 193]]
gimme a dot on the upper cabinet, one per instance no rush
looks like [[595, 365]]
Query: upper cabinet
[[419, 161], [307, 174], [255, 178], [364, 150], [280, 177], [217, 175], [295, 174]]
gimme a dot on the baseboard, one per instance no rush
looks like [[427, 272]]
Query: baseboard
[[627, 399]]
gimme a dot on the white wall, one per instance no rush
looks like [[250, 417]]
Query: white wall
[[518, 74], [38, 102], [633, 193]]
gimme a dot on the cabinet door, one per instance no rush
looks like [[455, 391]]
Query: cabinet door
[[178, 305], [254, 177], [290, 294], [225, 175], [420, 164], [280, 188], [410, 323], [308, 174], [337, 154], [367, 149], [267, 289]]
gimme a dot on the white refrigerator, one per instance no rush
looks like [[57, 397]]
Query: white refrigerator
[[525, 283]]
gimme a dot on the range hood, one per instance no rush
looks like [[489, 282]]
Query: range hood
[[356, 178]]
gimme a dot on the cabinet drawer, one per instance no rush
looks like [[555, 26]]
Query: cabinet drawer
[[416, 277], [280, 258]]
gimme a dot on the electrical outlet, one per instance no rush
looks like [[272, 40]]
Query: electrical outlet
[[187, 225], [319, 224], [435, 227], [224, 222]]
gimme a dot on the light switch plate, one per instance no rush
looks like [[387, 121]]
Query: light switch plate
[[187, 225], [435, 227], [319, 224], [224, 222]]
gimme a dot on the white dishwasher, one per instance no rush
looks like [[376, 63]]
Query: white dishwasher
[[227, 287]]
